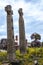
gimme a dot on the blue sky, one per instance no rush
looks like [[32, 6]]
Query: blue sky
[[33, 17]]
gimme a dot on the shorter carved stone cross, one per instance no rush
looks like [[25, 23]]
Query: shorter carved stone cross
[[22, 41]]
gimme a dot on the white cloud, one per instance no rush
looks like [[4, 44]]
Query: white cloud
[[3, 36], [3, 28], [34, 11], [41, 37], [28, 37]]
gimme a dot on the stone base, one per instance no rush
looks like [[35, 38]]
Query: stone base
[[15, 63]]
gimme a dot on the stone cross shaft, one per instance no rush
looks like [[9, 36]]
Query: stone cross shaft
[[10, 33], [22, 41]]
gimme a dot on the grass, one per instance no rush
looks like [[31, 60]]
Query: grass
[[28, 58]]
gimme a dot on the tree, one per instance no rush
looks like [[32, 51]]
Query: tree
[[36, 38]]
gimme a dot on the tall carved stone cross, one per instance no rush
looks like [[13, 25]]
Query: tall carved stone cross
[[21, 32], [10, 33]]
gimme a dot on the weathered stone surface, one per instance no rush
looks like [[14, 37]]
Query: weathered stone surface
[[10, 33], [21, 32]]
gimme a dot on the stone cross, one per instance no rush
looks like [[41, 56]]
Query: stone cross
[[22, 41], [10, 33]]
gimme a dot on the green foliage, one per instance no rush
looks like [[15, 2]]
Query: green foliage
[[3, 56], [27, 58], [32, 53], [0, 63], [35, 36]]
